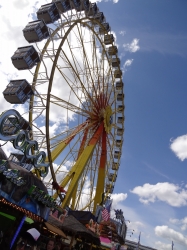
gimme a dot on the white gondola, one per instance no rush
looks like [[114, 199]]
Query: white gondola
[[25, 58], [119, 85], [93, 9], [108, 39], [117, 73], [35, 31], [112, 50], [109, 188], [112, 177], [86, 4], [121, 108], [76, 4], [120, 131], [121, 119], [18, 91], [120, 97], [104, 29], [99, 17], [62, 5], [119, 143], [117, 154], [115, 166], [115, 62], [48, 12]]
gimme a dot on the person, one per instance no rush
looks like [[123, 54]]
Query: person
[[58, 240], [50, 244], [7, 237], [58, 245], [78, 246], [28, 240]]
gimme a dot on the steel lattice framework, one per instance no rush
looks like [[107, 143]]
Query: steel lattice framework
[[77, 110]]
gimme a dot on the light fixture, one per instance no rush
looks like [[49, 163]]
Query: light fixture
[[23, 210]]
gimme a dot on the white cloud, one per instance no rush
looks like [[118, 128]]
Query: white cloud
[[166, 192], [122, 32], [59, 174], [117, 198], [133, 46], [182, 222], [170, 234], [127, 64], [174, 221], [179, 147], [134, 227], [8, 148], [162, 246]]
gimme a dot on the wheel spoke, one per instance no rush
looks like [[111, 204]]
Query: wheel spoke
[[67, 105]]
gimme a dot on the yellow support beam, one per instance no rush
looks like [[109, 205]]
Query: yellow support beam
[[61, 146], [101, 174], [74, 195], [56, 152], [79, 166]]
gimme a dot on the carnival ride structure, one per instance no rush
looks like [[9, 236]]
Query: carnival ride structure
[[73, 104]]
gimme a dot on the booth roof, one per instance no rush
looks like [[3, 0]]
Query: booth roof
[[56, 230], [82, 216], [72, 225]]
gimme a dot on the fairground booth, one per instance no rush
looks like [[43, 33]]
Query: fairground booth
[[24, 200]]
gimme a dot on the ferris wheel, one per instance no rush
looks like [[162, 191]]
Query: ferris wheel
[[75, 106]]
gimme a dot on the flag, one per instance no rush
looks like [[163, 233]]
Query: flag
[[106, 211], [105, 214]]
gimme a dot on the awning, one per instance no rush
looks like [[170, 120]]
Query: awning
[[54, 229], [82, 216], [73, 226]]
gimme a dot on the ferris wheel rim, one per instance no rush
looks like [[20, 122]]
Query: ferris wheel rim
[[35, 78], [52, 76]]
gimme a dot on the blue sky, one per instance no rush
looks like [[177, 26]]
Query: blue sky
[[151, 187], [151, 173]]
